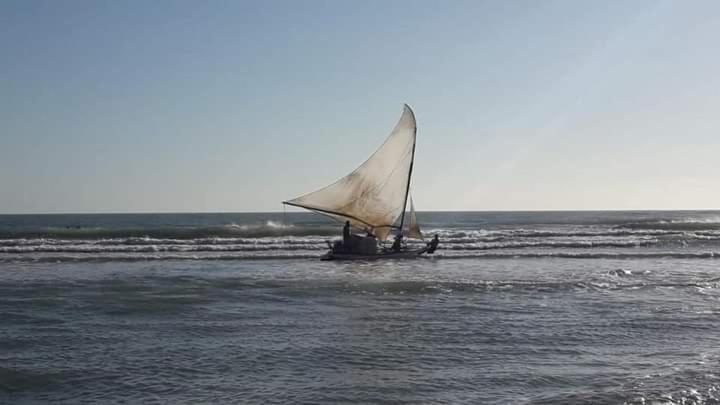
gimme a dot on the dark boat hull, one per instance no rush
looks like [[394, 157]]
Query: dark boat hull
[[403, 254]]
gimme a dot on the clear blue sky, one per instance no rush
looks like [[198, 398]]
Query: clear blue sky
[[127, 106]]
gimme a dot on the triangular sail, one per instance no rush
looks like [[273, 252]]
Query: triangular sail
[[412, 230], [373, 196]]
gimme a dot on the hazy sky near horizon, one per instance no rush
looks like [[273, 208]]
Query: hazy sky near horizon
[[170, 106]]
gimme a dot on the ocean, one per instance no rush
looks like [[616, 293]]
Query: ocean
[[514, 308]]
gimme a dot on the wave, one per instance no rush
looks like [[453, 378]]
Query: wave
[[468, 245], [587, 255], [558, 240], [156, 241], [271, 240], [158, 248], [64, 258], [271, 232], [268, 229], [687, 224], [497, 235], [582, 244], [315, 255], [272, 229], [245, 244]]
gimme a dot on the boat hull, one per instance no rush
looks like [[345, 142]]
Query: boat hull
[[403, 254]]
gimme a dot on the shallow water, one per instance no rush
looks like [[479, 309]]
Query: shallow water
[[434, 331], [570, 319]]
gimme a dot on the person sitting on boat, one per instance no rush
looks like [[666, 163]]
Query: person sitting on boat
[[397, 244], [433, 244]]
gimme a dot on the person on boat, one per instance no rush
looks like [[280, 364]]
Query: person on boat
[[433, 244], [346, 233], [397, 243]]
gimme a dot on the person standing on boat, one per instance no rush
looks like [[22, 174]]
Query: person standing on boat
[[397, 244], [346, 233], [433, 244]]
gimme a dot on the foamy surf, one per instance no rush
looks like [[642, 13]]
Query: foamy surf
[[293, 236]]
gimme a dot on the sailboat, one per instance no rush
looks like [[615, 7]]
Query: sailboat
[[372, 200]]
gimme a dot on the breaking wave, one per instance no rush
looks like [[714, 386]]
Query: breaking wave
[[657, 237], [270, 228], [686, 224], [314, 254]]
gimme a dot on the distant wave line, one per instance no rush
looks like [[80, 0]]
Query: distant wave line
[[10, 258]]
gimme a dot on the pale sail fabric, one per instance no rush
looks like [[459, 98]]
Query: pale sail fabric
[[412, 230], [373, 195]]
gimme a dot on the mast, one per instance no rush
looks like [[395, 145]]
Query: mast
[[412, 161]]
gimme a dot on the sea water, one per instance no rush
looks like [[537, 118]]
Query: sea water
[[515, 307]]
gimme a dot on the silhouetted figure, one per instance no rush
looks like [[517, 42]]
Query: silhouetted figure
[[397, 244], [433, 244], [346, 233]]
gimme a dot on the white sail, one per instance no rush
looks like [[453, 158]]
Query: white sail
[[413, 228], [373, 196]]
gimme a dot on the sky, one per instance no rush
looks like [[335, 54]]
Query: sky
[[231, 106]]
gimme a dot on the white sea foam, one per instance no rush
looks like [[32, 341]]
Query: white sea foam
[[275, 238]]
